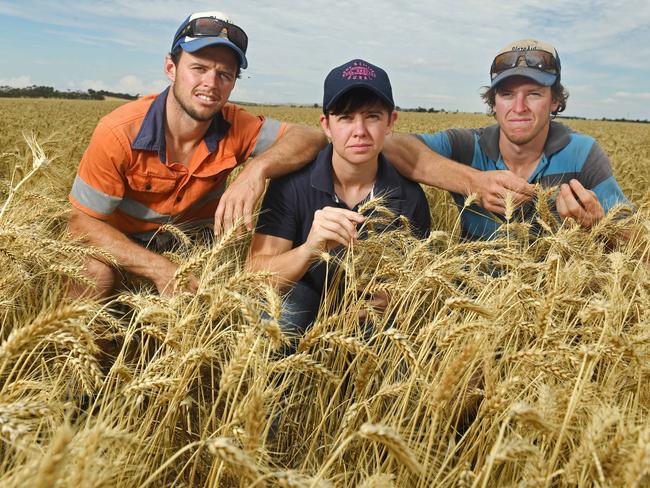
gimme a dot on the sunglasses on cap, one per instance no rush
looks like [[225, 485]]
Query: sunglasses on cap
[[213, 27], [541, 60]]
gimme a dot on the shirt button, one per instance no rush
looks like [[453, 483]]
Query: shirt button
[[178, 199], [147, 187]]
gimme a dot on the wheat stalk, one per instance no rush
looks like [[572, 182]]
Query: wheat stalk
[[389, 438]]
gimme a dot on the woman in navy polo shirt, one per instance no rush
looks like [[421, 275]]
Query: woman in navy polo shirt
[[315, 209]]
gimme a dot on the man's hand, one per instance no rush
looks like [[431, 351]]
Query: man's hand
[[492, 187], [378, 302], [164, 278], [126, 254], [332, 227], [239, 199], [575, 202], [292, 151]]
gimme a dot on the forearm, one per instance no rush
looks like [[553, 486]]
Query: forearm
[[298, 146], [414, 160], [293, 150], [286, 268], [126, 253]]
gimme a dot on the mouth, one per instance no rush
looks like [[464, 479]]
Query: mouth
[[206, 98], [519, 123]]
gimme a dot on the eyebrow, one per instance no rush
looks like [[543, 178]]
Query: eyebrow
[[510, 89], [204, 64]]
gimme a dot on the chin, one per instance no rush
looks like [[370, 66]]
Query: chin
[[203, 115], [519, 137], [520, 141]]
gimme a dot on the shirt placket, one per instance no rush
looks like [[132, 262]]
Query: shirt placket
[[198, 159]]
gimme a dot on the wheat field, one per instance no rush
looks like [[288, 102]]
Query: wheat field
[[514, 362]]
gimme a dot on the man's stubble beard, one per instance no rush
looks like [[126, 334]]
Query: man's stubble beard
[[191, 111]]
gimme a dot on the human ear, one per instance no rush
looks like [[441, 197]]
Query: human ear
[[170, 68], [325, 124], [555, 105], [392, 117]]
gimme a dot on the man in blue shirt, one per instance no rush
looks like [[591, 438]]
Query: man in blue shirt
[[316, 209], [524, 95]]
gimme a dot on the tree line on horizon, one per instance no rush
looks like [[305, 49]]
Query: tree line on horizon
[[39, 91]]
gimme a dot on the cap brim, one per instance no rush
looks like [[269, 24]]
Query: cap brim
[[541, 77], [201, 42], [359, 84]]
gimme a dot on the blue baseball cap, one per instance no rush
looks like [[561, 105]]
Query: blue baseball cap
[[204, 29], [356, 74]]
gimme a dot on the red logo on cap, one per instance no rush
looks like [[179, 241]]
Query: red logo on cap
[[359, 71]]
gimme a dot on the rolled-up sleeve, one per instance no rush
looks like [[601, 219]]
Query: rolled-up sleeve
[[254, 133], [269, 133], [99, 186], [596, 174]]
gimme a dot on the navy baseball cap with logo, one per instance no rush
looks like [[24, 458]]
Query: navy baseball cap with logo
[[356, 74], [203, 29]]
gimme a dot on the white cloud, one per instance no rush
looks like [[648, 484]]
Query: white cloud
[[632, 96], [17, 82], [130, 84], [134, 85], [435, 52], [582, 90], [89, 85], [92, 40]]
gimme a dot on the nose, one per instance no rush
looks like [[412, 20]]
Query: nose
[[359, 126], [520, 102], [210, 78]]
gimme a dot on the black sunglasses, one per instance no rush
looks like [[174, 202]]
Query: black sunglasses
[[541, 60], [213, 27]]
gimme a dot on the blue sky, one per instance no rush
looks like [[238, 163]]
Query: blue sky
[[437, 53]]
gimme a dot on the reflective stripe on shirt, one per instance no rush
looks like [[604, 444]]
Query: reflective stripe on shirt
[[208, 197], [183, 227], [140, 211], [267, 136], [94, 199]]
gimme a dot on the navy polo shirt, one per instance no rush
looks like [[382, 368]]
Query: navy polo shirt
[[291, 201]]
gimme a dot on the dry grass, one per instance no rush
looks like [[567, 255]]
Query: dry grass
[[506, 363]]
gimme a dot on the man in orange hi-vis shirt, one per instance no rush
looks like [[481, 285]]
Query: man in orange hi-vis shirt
[[165, 159]]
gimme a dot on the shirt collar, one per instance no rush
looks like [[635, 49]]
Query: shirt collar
[[559, 135], [151, 136], [387, 182], [322, 179], [321, 175]]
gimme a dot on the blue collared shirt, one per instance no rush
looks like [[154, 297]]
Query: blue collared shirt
[[567, 155]]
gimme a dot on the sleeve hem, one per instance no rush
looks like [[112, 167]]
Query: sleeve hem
[[86, 210]]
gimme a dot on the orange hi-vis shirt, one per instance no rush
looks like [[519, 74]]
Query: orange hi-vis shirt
[[124, 177]]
